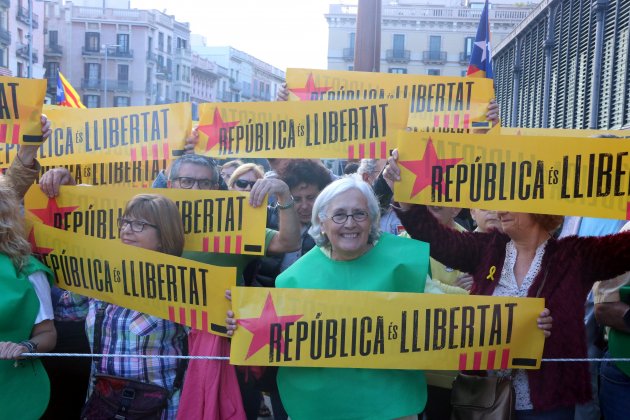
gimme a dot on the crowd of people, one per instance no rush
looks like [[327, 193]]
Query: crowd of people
[[324, 231]]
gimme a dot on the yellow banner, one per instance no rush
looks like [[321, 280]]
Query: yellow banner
[[332, 328], [436, 103], [99, 135], [548, 175], [129, 174], [157, 284], [214, 221], [347, 130], [21, 103]]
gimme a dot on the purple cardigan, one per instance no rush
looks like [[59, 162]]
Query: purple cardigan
[[572, 265]]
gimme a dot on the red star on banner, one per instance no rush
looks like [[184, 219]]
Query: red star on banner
[[260, 326], [423, 168], [305, 93], [36, 249], [47, 215], [213, 130]]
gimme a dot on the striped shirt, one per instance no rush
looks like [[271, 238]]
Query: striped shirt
[[125, 331]]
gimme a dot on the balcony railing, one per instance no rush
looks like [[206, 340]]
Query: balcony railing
[[235, 86], [120, 53], [22, 52], [5, 3], [435, 57], [92, 84], [112, 85], [151, 57], [5, 36], [22, 16], [348, 54], [163, 73], [464, 58], [90, 51], [398, 56], [55, 50], [226, 97]]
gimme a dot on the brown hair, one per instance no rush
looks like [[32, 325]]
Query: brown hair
[[163, 213], [13, 242], [549, 222]]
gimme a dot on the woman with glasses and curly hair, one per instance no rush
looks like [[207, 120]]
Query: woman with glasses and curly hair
[[26, 316]]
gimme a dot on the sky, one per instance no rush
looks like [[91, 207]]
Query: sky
[[283, 33]]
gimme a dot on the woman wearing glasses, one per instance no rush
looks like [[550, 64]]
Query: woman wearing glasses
[[151, 222], [245, 176], [352, 254]]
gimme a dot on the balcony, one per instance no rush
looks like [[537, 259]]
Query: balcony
[[120, 53], [22, 52], [92, 84], [183, 52], [120, 86], [464, 58], [163, 73], [348, 54], [398, 56], [53, 50], [235, 86], [151, 57], [434, 57], [226, 97], [5, 36], [5, 3], [22, 16], [91, 52]]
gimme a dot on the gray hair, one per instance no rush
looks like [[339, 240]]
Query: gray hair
[[194, 160], [328, 194], [367, 166]]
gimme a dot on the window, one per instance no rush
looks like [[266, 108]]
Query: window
[[399, 46], [92, 71], [397, 70], [464, 72], [20, 69], [150, 44], [435, 43], [3, 55], [161, 41], [123, 76], [52, 68], [92, 101], [92, 41], [169, 41], [53, 38], [469, 44], [433, 72], [123, 43], [352, 39], [121, 101]]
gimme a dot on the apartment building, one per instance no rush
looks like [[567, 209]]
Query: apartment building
[[117, 56], [423, 36], [15, 31]]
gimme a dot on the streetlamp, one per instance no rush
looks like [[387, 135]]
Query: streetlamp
[[106, 47]]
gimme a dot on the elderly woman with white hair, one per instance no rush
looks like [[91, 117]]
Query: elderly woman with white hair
[[352, 254]]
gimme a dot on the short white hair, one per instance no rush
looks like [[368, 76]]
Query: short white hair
[[328, 194]]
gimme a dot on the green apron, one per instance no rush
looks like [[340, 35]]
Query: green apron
[[393, 265], [619, 341], [25, 388]]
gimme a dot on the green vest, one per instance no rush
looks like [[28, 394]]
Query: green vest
[[25, 388], [393, 265]]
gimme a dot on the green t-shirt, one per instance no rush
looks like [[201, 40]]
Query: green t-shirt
[[393, 265]]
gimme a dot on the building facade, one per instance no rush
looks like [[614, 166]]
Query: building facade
[[15, 31], [249, 79], [117, 56], [206, 77], [567, 66], [423, 36]]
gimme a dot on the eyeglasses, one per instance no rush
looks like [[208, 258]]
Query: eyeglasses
[[136, 225], [187, 183], [242, 183], [341, 218]]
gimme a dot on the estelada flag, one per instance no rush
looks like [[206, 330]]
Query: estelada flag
[[481, 58], [66, 95]]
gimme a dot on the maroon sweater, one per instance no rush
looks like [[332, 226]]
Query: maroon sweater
[[572, 265]]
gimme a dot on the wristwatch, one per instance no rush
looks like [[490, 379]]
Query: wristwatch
[[31, 346], [287, 205]]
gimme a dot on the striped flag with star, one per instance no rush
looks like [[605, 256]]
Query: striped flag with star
[[481, 58], [66, 95]]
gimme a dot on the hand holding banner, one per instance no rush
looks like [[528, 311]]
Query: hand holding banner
[[151, 282], [333, 328], [21, 102]]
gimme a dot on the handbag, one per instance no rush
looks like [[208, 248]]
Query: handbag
[[115, 397], [482, 397], [476, 397]]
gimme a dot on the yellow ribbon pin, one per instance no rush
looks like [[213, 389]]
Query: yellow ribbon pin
[[493, 270]]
